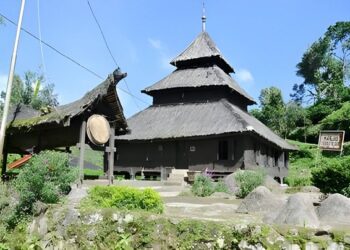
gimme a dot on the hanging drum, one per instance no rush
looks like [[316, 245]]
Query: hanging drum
[[98, 129]]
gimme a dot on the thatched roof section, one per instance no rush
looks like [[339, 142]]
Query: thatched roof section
[[25, 118], [201, 51], [197, 119], [198, 77]]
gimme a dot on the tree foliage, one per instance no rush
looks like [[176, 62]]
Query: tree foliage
[[32, 90], [275, 113], [325, 66]]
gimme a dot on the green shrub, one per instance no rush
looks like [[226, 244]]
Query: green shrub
[[220, 186], [44, 178], [299, 174], [203, 186], [333, 175], [126, 198], [248, 180]]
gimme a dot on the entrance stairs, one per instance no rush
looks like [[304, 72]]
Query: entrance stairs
[[177, 177]]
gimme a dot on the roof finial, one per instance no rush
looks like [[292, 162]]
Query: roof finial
[[204, 18]]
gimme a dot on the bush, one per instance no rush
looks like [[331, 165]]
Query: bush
[[333, 176], [44, 178], [299, 174], [125, 198], [203, 186], [220, 186], [248, 180]]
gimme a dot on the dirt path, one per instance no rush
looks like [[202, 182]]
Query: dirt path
[[215, 209]]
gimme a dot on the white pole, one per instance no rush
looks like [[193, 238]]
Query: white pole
[[9, 81]]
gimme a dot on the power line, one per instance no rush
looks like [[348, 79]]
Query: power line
[[54, 49], [107, 46], [40, 42], [69, 58], [101, 31]]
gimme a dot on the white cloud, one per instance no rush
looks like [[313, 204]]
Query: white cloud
[[155, 43], [3, 82], [164, 57], [244, 76]]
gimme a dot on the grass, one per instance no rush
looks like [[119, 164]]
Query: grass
[[92, 156], [308, 158], [93, 172]]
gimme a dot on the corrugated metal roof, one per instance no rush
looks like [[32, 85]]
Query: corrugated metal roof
[[203, 48], [198, 77], [196, 119]]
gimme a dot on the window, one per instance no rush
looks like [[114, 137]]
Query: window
[[223, 150]]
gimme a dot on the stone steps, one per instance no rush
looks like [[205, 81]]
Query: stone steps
[[177, 177]]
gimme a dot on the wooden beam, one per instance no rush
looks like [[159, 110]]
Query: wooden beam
[[111, 150], [82, 152], [4, 164]]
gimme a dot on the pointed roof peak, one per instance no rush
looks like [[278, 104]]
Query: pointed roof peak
[[202, 50]]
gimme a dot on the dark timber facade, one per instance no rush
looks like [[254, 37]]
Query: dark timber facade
[[199, 121]]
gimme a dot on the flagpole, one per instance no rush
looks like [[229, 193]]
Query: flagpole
[[10, 81]]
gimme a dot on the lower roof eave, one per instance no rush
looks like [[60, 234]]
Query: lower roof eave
[[194, 137]]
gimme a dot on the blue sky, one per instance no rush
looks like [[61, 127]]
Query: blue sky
[[263, 40]]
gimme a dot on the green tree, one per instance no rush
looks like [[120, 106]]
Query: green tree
[[272, 108], [32, 90], [274, 113], [325, 67]]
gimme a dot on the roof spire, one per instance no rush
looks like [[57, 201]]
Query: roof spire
[[204, 18]]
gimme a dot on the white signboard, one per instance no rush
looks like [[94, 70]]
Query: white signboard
[[331, 140]]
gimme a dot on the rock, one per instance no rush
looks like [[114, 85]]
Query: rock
[[241, 228], [293, 232], [292, 247], [274, 238], [39, 208], [298, 211], [94, 218], [71, 216], [272, 184], [335, 246], [128, 218], [335, 210], [231, 183], [311, 246], [220, 243], [43, 226], [260, 200], [221, 195], [91, 234], [115, 217], [347, 238], [310, 189], [243, 245]]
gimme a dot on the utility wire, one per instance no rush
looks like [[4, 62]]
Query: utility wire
[[53, 48], [108, 48], [40, 41], [68, 57]]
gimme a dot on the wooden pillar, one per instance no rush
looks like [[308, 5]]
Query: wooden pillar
[[4, 163], [82, 152], [111, 150], [105, 162]]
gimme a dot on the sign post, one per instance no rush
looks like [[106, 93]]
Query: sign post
[[331, 140]]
